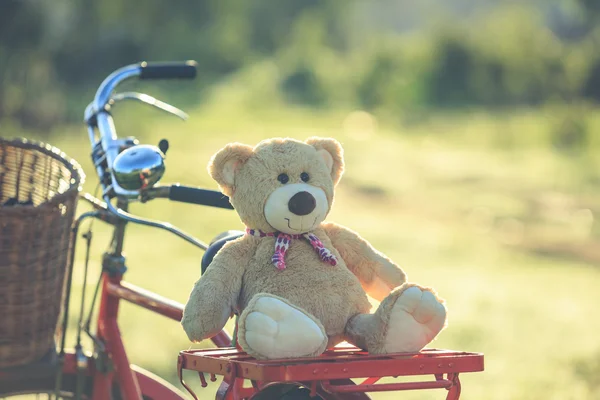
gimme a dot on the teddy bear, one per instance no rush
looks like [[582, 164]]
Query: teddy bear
[[299, 284]]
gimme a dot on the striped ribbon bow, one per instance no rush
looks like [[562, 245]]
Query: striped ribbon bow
[[282, 244]]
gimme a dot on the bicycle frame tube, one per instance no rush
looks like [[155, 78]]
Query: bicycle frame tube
[[156, 303], [113, 290], [108, 332]]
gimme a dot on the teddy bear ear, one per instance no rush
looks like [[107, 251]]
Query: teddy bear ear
[[225, 164], [332, 153]]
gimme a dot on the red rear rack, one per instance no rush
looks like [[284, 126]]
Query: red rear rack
[[330, 374]]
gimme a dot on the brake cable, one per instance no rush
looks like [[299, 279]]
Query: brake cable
[[80, 357]]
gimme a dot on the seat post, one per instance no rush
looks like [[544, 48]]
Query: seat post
[[216, 245]]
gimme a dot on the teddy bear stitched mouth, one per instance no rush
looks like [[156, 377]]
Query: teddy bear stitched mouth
[[300, 230]]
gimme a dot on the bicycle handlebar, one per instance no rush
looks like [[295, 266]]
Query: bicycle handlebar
[[97, 113], [168, 70], [204, 197], [107, 146], [143, 70]]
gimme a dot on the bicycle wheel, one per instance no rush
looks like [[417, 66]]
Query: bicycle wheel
[[285, 392], [297, 391]]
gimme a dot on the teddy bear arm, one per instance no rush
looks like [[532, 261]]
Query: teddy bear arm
[[215, 294], [207, 310], [377, 274]]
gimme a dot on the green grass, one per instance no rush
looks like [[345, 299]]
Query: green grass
[[507, 233]]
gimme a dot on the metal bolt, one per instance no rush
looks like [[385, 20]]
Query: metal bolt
[[345, 370], [422, 366], [451, 365], [315, 371], [440, 365]]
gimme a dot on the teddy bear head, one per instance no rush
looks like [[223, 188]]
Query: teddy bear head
[[282, 185]]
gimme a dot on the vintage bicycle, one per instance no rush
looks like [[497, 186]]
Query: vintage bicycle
[[129, 171]]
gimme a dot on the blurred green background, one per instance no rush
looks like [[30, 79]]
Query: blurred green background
[[471, 138]]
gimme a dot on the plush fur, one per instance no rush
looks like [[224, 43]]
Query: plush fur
[[333, 296]]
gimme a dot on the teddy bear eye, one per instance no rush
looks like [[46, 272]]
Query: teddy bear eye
[[283, 178], [305, 177]]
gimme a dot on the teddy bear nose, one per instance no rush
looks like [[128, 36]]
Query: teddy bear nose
[[302, 203]]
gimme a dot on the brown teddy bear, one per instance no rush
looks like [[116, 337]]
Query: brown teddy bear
[[298, 284]]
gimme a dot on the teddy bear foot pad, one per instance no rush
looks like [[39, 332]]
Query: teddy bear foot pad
[[272, 328], [415, 320]]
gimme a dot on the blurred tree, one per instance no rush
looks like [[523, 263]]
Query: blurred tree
[[51, 52], [453, 69], [591, 7], [24, 64], [591, 87], [54, 54], [302, 86]]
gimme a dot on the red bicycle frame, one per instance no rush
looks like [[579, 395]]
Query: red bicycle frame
[[133, 381]]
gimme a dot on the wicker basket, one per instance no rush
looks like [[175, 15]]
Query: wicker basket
[[38, 196]]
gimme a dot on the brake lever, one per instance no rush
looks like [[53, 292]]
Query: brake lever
[[151, 101]]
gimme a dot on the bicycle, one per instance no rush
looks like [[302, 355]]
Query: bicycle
[[128, 171]]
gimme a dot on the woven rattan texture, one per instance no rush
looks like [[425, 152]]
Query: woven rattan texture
[[38, 196]]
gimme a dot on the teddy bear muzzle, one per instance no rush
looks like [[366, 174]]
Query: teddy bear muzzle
[[302, 203], [296, 208]]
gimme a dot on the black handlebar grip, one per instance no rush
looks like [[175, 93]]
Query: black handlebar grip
[[203, 197], [168, 70]]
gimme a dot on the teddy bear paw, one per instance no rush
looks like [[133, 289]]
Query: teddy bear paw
[[275, 329], [415, 320]]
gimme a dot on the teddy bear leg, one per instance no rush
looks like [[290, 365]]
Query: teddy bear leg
[[361, 329], [271, 327], [407, 320]]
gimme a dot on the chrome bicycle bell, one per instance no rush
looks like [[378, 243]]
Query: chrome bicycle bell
[[139, 167]]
